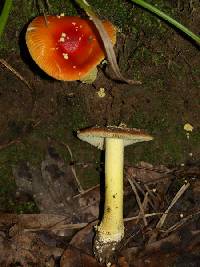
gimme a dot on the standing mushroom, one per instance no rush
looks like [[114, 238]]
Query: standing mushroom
[[113, 139], [67, 48]]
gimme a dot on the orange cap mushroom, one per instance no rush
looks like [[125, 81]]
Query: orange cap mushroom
[[67, 48]]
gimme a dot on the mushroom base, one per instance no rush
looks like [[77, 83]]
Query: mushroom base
[[105, 252]]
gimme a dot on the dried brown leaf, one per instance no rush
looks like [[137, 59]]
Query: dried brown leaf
[[73, 257], [84, 238], [26, 248], [148, 173]]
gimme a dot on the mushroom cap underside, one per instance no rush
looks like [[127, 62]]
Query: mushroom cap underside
[[66, 47], [96, 135]]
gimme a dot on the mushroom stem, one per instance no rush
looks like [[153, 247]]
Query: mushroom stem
[[112, 227]]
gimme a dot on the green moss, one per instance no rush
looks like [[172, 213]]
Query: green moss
[[26, 207], [127, 15], [170, 144], [157, 58], [194, 141], [119, 12], [150, 123], [89, 175], [69, 8]]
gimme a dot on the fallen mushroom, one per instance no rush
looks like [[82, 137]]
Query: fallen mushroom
[[113, 139], [67, 48]]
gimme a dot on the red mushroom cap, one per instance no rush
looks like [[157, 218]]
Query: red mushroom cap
[[66, 48]]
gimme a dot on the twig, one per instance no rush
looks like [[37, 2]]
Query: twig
[[16, 73], [144, 205], [174, 200], [80, 188], [151, 195], [149, 191], [3, 146], [86, 191], [138, 186], [179, 223], [138, 201], [142, 191], [145, 215], [68, 226], [146, 200]]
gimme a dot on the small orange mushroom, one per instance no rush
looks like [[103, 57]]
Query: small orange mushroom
[[66, 47]]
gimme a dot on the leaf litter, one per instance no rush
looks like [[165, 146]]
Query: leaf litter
[[162, 217]]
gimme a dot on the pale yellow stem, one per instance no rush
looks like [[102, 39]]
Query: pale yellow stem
[[112, 227]]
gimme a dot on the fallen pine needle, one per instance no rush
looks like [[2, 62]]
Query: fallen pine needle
[[139, 202], [13, 142], [16, 73], [180, 223], [174, 200], [80, 188]]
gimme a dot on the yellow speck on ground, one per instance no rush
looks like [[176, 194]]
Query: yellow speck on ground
[[188, 127], [101, 92]]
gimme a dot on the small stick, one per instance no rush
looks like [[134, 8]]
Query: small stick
[[138, 186], [146, 200], [140, 216], [3, 146], [174, 200], [144, 205], [138, 201], [151, 195], [16, 73], [142, 191], [61, 227], [80, 188], [180, 223], [149, 191], [86, 191]]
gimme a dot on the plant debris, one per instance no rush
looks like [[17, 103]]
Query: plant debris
[[160, 218]]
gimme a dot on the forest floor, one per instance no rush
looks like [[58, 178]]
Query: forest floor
[[39, 114]]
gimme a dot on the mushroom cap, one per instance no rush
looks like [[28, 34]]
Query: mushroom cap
[[66, 47], [96, 135]]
